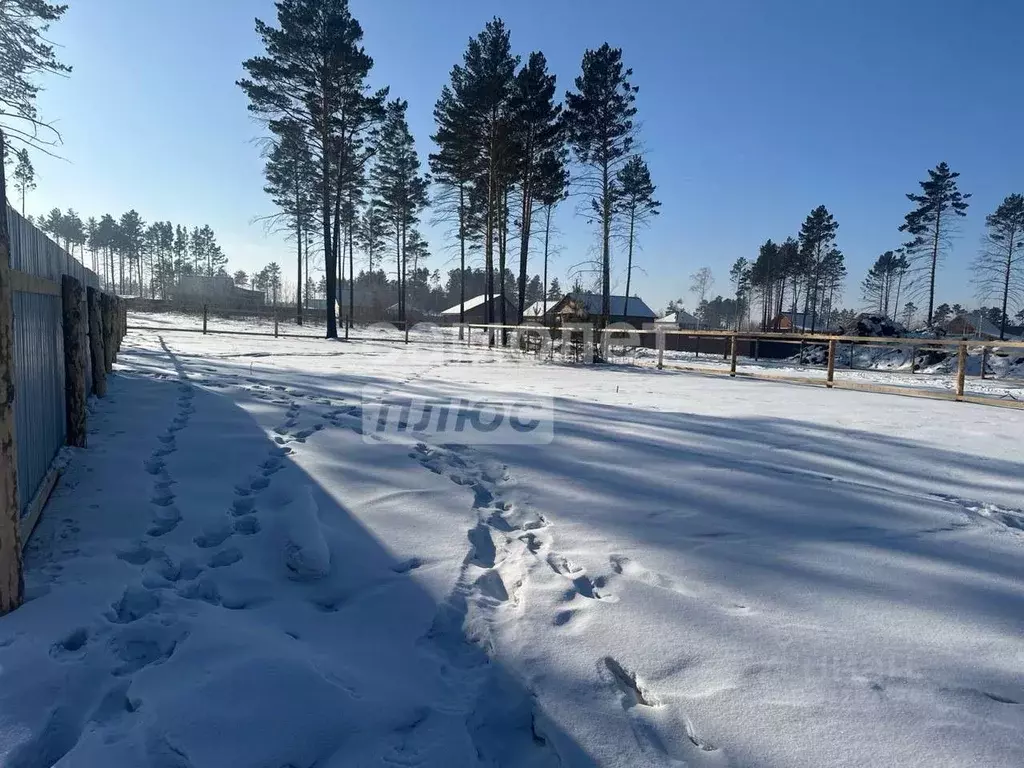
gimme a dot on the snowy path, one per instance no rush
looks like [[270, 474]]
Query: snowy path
[[696, 572]]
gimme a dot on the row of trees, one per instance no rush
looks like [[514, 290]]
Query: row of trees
[[343, 171], [134, 257]]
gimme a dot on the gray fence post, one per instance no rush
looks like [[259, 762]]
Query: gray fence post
[[74, 360], [12, 586], [99, 369]]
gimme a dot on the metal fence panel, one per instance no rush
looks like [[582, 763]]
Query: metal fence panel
[[40, 423], [39, 388]]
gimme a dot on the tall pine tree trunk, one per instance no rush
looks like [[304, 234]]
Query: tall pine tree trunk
[[1006, 287], [935, 265], [606, 247], [298, 245], [524, 242], [330, 265], [547, 235], [462, 258], [629, 262], [502, 253]]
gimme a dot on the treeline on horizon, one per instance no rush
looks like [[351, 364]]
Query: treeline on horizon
[[343, 172]]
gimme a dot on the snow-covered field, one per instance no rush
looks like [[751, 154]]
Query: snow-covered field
[[697, 571]]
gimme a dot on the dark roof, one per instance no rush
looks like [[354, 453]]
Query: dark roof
[[591, 303]]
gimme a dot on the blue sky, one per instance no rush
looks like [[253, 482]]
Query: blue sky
[[752, 114]]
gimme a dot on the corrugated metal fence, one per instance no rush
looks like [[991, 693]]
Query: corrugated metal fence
[[41, 427]]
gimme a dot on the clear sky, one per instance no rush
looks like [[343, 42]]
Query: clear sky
[[752, 112]]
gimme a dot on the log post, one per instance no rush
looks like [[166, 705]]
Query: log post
[[984, 360], [732, 355], [802, 343], [696, 351], [757, 350], [205, 315], [75, 395], [830, 379], [277, 331], [99, 368], [852, 348], [12, 587], [107, 327], [913, 359], [961, 371]]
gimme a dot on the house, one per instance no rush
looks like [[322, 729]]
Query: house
[[218, 291], [475, 311], [800, 322], [680, 320], [586, 307], [540, 312], [974, 325]]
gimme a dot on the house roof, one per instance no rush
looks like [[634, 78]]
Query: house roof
[[591, 303], [537, 308], [476, 301], [679, 317]]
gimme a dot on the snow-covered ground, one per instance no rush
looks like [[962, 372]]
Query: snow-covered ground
[[697, 571]]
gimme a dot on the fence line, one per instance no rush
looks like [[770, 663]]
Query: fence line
[[38, 266]]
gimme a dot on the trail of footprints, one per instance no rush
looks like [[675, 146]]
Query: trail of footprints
[[493, 573]]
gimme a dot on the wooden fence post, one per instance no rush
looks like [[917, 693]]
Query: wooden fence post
[[757, 349], [276, 327], [696, 351], [12, 586], [913, 359], [802, 343], [984, 360], [732, 354], [205, 315], [107, 317], [74, 360], [852, 348], [99, 368], [830, 379], [961, 371]]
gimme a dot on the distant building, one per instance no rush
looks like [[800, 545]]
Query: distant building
[[800, 322], [218, 291], [586, 307], [475, 311], [974, 325], [680, 320]]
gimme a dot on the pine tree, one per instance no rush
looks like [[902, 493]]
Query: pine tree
[[739, 274], [763, 275], [999, 268], [484, 86], [554, 292], [881, 288], [240, 278], [455, 167], [272, 278], [551, 187], [289, 171], [599, 126], [314, 75], [25, 54], [636, 204], [371, 234], [538, 134], [399, 187], [817, 241], [130, 232], [24, 176], [932, 222]]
